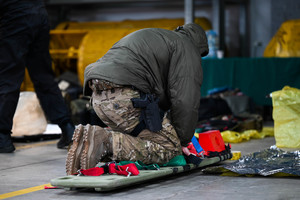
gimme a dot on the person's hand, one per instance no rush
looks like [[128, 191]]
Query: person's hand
[[186, 151], [190, 157]]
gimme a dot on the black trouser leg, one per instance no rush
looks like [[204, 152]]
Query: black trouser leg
[[42, 76], [13, 48]]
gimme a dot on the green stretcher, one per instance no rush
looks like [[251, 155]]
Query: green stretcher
[[107, 182]]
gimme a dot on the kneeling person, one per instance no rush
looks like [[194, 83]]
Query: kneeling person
[[144, 75]]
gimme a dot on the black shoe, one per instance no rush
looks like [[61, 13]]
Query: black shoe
[[6, 145], [66, 136]]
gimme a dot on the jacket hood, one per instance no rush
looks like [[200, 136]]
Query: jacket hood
[[197, 34]]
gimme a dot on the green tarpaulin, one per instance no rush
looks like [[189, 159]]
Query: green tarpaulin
[[256, 77]]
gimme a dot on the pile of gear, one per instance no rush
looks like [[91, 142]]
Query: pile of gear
[[228, 109]]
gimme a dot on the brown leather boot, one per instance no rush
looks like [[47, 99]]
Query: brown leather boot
[[97, 146]]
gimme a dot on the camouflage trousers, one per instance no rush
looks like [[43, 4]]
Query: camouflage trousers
[[114, 107]]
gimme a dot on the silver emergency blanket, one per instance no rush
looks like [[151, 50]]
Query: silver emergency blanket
[[266, 162]]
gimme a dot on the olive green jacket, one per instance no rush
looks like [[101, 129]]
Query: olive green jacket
[[162, 62]]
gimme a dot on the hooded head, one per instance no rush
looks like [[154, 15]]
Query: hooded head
[[197, 34]]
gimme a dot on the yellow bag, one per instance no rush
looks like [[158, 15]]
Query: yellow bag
[[286, 115], [286, 42], [236, 137]]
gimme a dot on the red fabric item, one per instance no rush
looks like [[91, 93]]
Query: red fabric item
[[126, 170], [50, 187], [129, 168], [95, 171], [193, 150], [112, 168]]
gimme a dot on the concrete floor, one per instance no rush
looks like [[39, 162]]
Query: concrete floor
[[36, 164]]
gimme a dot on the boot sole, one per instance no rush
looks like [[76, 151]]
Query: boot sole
[[84, 156], [73, 157]]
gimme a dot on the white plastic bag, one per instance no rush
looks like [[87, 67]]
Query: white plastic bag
[[29, 118]]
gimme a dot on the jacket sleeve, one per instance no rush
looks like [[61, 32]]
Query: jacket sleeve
[[185, 79]]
